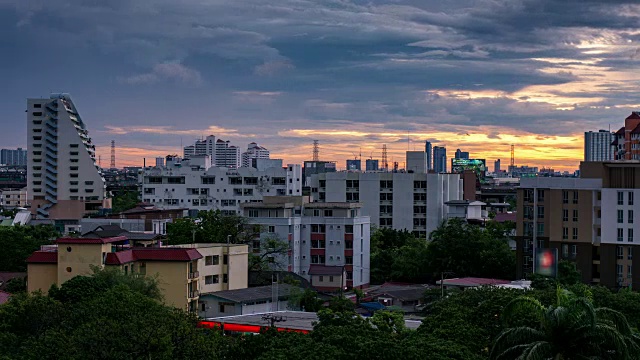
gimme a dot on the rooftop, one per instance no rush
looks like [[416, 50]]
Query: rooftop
[[334, 205], [325, 270], [43, 257], [297, 320], [106, 240], [252, 294], [152, 254], [472, 282]]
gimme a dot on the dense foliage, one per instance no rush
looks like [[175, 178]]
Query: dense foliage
[[19, 242], [124, 200]]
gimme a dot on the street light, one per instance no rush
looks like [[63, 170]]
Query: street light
[[442, 281]]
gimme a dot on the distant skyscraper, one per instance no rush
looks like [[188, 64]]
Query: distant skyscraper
[[428, 149], [206, 146], [354, 164], [17, 157], [496, 166], [598, 146], [462, 154], [440, 159], [227, 155], [159, 161], [254, 151], [372, 165]]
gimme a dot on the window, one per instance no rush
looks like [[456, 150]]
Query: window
[[540, 212], [73, 168], [565, 215], [629, 271], [565, 250], [575, 234], [630, 253], [73, 153], [317, 259], [212, 260], [630, 200], [575, 215], [271, 229], [620, 198], [574, 251], [620, 216], [254, 213], [619, 252], [620, 234], [565, 197], [330, 278], [619, 270], [225, 259], [565, 233], [211, 279], [575, 197], [225, 278], [348, 229], [37, 113], [73, 145], [540, 195], [328, 213], [348, 244], [73, 160], [317, 244], [321, 278], [630, 216], [37, 105], [630, 235], [348, 260]]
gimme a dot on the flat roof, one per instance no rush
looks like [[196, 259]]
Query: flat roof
[[298, 320], [252, 294], [335, 205]]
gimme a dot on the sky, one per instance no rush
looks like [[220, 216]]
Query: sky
[[478, 75]]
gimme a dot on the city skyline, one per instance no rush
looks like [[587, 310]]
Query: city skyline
[[474, 75]]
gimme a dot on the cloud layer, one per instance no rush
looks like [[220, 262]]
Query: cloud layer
[[355, 74]]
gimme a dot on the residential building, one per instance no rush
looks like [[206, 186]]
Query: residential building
[[64, 181], [227, 155], [176, 268], [254, 151], [146, 214], [371, 165], [589, 220], [416, 162], [440, 159], [411, 201], [328, 242], [160, 161], [223, 266], [627, 139], [598, 146], [462, 154], [429, 151], [206, 146], [408, 297], [467, 210], [316, 167], [13, 198], [255, 300], [496, 166], [11, 157], [189, 151], [195, 187], [354, 164], [264, 164]]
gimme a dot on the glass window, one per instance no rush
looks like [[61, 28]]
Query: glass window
[[565, 197], [575, 197], [630, 235], [630, 200], [620, 234], [565, 233], [575, 233], [630, 217], [565, 215], [619, 252], [620, 216], [620, 198], [575, 215]]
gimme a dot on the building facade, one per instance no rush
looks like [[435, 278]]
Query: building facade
[[440, 159], [411, 201], [186, 185], [462, 154], [598, 146], [227, 155], [590, 220], [13, 198], [328, 242], [254, 151], [354, 165], [64, 181], [626, 141], [416, 162], [429, 151], [371, 165], [11, 157]]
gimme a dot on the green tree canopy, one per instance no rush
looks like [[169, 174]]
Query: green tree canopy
[[19, 242]]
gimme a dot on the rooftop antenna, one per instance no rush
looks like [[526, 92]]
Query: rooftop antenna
[[513, 158], [316, 150], [113, 154], [100, 160], [385, 163]]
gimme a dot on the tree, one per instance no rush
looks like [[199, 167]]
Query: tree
[[396, 255], [341, 304], [571, 329], [469, 250], [19, 242], [388, 321], [568, 275], [212, 226], [124, 200]]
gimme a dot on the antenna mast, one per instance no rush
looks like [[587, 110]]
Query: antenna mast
[[316, 150], [385, 163], [113, 154]]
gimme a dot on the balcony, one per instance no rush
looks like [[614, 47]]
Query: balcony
[[194, 294], [194, 275]]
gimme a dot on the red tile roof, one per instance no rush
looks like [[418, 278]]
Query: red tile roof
[[634, 115], [325, 270], [152, 254], [91, 240], [43, 257], [620, 131]]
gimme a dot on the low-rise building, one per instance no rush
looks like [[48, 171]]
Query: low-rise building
[[253, 300], [322, 237], [13, 198]]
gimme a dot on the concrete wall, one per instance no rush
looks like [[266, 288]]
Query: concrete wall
[[41, 277], [173, 279], [79, 259]]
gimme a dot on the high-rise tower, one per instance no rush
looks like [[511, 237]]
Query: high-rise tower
[[64, 181]]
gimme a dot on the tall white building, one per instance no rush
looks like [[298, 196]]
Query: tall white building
[[416, 161], [411, 201], [192, 184], [328, 242], [598, 146], [206, 146], [64, 181], [227, 155], [254, 151], [159, 161]]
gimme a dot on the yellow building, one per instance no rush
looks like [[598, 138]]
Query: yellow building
[[176, 268]]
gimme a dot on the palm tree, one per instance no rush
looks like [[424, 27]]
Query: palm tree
[[571, 329]]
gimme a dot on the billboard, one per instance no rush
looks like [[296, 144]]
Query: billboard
[[547, 262], [476, 165]]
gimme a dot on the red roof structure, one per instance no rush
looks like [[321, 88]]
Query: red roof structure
[[152, 254], [634, 115], [4, 297], [43, 257]]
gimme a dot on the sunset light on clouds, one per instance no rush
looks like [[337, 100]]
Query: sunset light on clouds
[[475, 75]]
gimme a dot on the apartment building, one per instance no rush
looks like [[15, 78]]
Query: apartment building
[[254, 151], [13, 157], [227, 155], [411, 201], [176, 268], [598, 146], [626, 141], [191, 185], [328, 242], [64, 180], [590, 220], [12, 198]]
